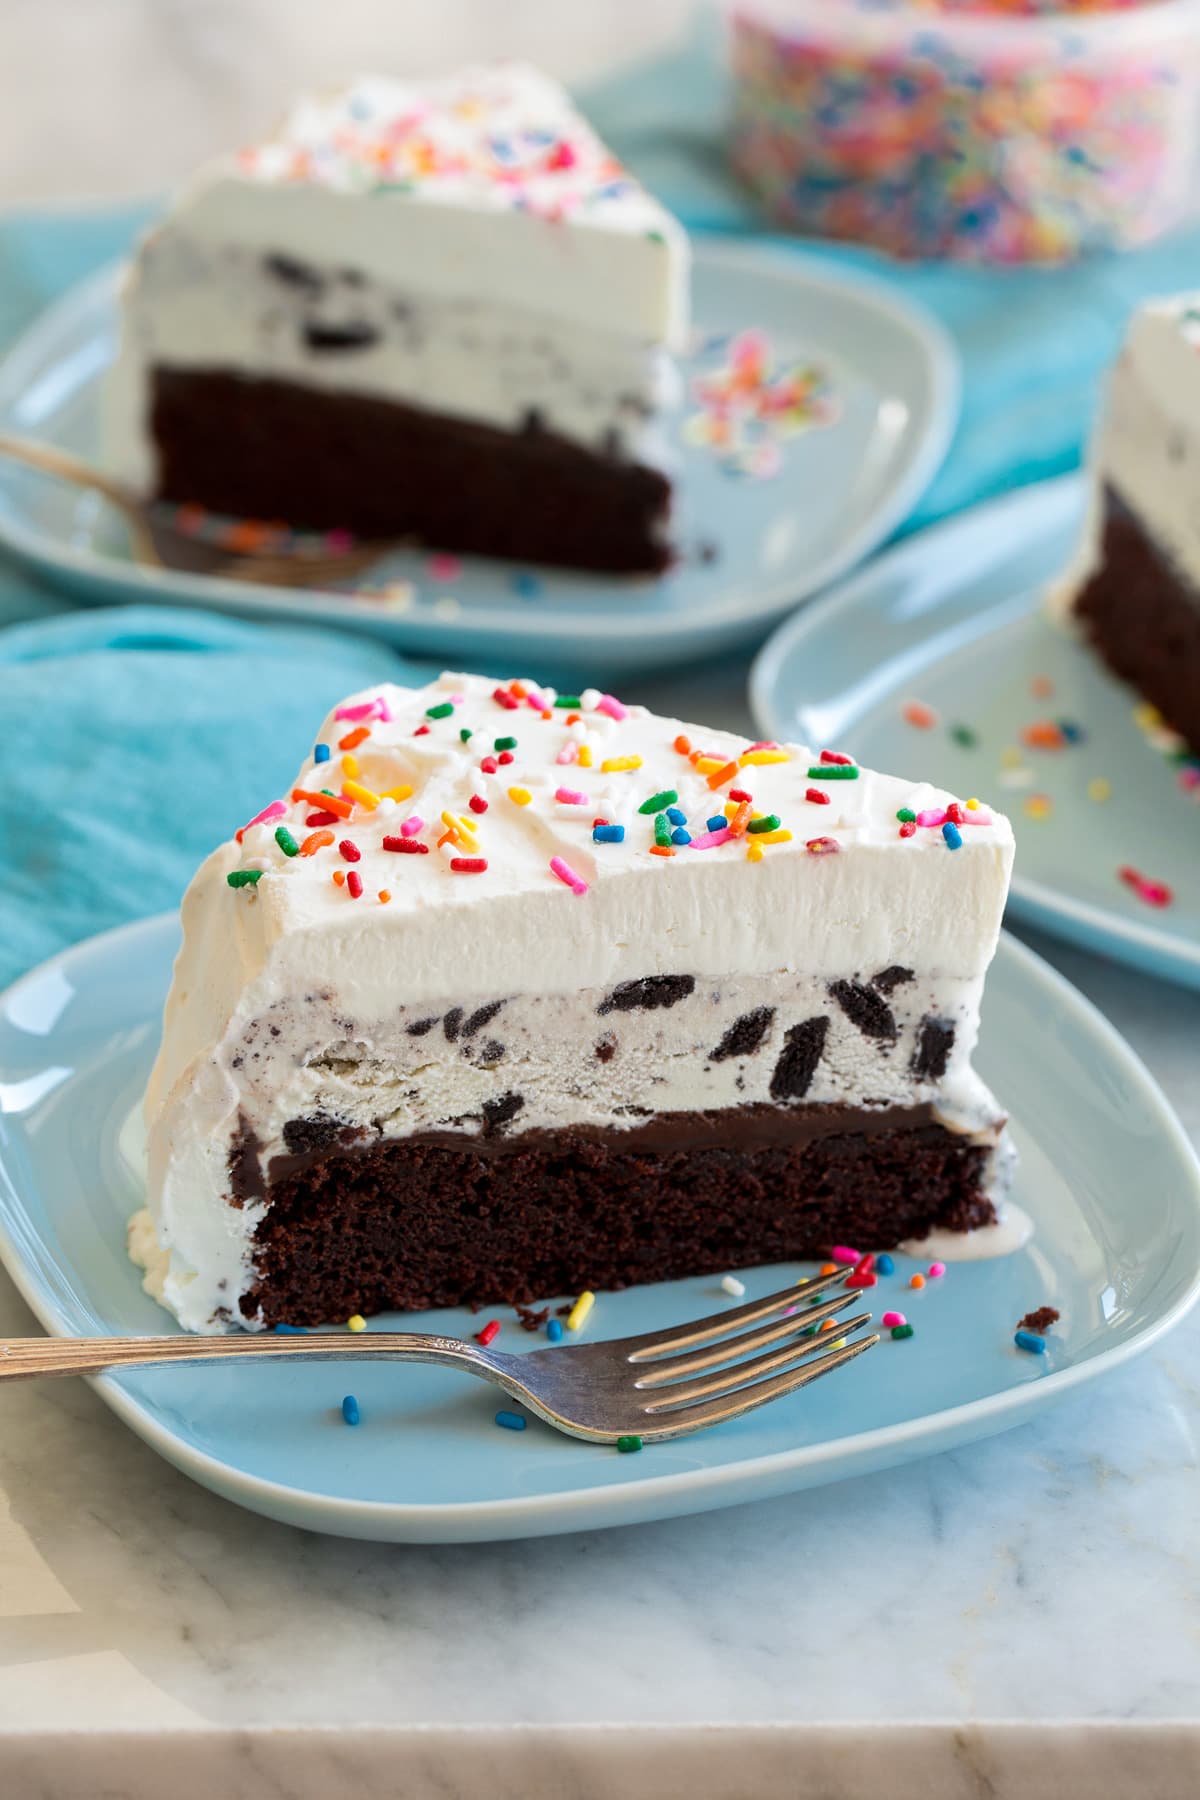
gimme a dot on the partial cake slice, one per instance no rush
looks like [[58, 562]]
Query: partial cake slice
[[1135, 593], [441, 310], [516, 993]]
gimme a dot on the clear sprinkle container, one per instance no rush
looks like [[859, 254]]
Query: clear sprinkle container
[[989, 132]]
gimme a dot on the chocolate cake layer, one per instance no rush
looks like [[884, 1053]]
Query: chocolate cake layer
[[268, 449], [443, 1219], [1142, 616]]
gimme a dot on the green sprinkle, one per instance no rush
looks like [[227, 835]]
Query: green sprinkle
[[286, 841], [439, 712], [907, 816], [962, 734], [465, 733], [628, 1444], [902, 1331], [659, 802], [330, 792], [505, 744], [655, 237], [662, 830], [770, 823], [570, 700], [834, 772], [243, 877]]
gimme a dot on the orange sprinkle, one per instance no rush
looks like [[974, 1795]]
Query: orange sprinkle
[[384, 896], [918, 1281], [1043, 734], [683, 745], [1041, 687], [518, 689], [325, 802], [829, 1268], [573, 718], [661, 850], [447, 837], [740, 819], [354, 738], [339, 877], [723, 775], [918, 714], [828, 1324], [316, 840]]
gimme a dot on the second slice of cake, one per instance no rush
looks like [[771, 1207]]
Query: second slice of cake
[[441, 311], [515, 993]]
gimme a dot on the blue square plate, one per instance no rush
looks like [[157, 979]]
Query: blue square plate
[[1105, 1171], [753, 548], [955, 618]]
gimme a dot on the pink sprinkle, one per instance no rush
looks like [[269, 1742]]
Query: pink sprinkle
[[835, 756], [976, 815], [444, 568], [383, 710], [708, 840], [894, 1318], [933, 815], [339, 540], [763, 744], [363, 710], [566, 873], [613, 707], [569, 753], [412, 825], [822, 846], [936, 1269], [841, 1253], [570, 796], [268, 812], [538, 701]]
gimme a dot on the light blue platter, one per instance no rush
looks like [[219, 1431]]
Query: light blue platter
[[954, 618], [1105, 1172], [842, 488]]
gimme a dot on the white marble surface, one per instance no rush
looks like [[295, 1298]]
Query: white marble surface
[[1021, 1617]]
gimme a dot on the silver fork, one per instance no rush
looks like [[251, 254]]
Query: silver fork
[[661, 1385]]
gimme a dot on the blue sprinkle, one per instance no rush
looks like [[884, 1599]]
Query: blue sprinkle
[[952, 835], [1029, 1340], [1073, 733], [511, 1421], [554, 1330], [676, 817], [885, 1265], [680, 836], [350, 1410], [718, 822], [321, 753], [608, 834], [291, 1330], [526, 584]]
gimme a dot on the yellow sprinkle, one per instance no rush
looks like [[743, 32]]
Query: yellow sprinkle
[[731, 807], [1099, 789], [773, 837], [616, 765], [1039, 806], [349, 765], [1011, 758], [754, 759], [754, 851], [467, 822], [580, 1310], [403, 792], [973, 805], [585, 756], [708, 765], [460, 830], [356, 1322], [1146, 717], [520, 796], [363, 795]]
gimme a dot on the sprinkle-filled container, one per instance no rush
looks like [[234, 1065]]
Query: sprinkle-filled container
[[1002, 131]]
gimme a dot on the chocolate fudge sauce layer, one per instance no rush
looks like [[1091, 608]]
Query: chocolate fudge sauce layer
[[278, 450], [1142, 616], [442, 1219]]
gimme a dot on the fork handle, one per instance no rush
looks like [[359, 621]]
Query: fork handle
[[22, 1358]]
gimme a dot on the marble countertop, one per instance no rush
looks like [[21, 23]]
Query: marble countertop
[[1019, 1616]]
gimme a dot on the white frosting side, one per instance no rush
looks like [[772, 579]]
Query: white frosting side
[[479, 207], [291, 998], [1147, 441]]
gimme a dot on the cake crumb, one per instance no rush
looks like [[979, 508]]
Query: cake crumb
[[1040, 1320], [532, 1318]]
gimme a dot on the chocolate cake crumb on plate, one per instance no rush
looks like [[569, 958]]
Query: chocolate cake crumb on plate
[[1040, 1320]]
